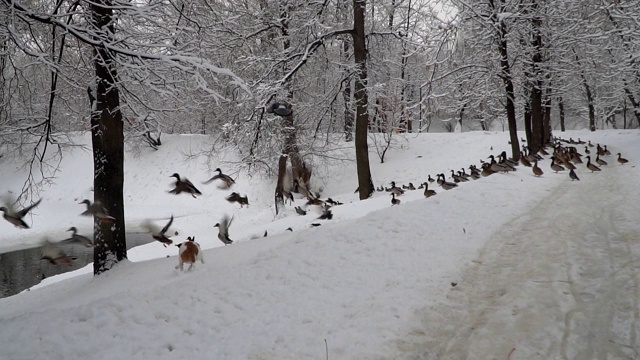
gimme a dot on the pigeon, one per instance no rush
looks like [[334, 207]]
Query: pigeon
[[15, 217], [223, 230]]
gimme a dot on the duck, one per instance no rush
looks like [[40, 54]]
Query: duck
[[590, 166], [496, 167], [427, 192], [600, 161], [394, 189], [96, 210], [523, 160], [326, 213], [78, 239], [573, 175], [430, 179], [300, 211], [536, 169], [555, 166], [486, 170], [622, 160], [15, 217], [445, 184], [223, 230], [394, 201], [235, 197], [606, 152], [55, 256], [159, 234], [409, 187], [184, 185], [227, 181]]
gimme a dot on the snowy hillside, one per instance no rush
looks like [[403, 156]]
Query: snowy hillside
[[507, 266]]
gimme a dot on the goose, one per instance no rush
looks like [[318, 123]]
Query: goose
[[536, 169], [495, 167], [183, 185], [587, 151], [394, 189], [408, 187], [430, 179], [15, 217], [622, 160], [427, 192], [381, 188], [486, 170], [77, 238], [589, 143], [223, 229], [590, 166], [157, 233], [573, 175], [227, 181], [445, 184], [524, 161], [543, 151], [600, 161], [394, 201], [600, 150], [606, 152]]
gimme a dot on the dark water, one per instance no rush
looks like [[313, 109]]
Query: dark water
[[23, 269]]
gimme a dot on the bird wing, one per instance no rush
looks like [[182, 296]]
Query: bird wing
[[215, 177], [225, 223], [49, 249], [191, 186], [150, 227], [166, 227], [24, 211]]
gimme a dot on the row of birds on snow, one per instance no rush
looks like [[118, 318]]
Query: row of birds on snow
[[562, 158], [565, 156], [52, 252]]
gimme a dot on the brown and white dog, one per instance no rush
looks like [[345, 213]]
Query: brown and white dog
[[189, 253]]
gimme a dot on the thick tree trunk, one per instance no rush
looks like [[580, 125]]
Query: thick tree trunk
[[546, 121], [108, 147], [507, 79], [346, 96], [537, 132], [527, 121], [365, 185]]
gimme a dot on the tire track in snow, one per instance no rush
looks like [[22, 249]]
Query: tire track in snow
[[559, 282]]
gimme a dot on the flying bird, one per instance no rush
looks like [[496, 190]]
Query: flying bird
[[15, 217], [184, 185], [54, 255], [235, 197], [157, 233], [226, 179], [97, 210], [223, 230], [77, 239]]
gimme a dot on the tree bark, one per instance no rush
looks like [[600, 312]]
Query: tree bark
[[108, 146], [365, 185], [346, 95], [537, 132], [561, 109]]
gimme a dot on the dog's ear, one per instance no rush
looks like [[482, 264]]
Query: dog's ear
[[191, 238]]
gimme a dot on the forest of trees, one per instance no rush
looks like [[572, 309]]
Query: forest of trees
[[129, 70]]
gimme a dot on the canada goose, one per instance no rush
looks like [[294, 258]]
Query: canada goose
[[445, 184], [589, 143], [486, 170], [586, 150], [394, 201], [96, 210], [536, 169], [430, 179], [184, 185], [573, 175], [15, 217], [227, 181], [556, 167], [77, 238], [427, 192], [157, 233], [235, 197], [54, 255], [600, 161], [606, 152], [408, 187], [600, 150], [495, 167], [394, 189], [590, 166], [223, 230], [622, 160]]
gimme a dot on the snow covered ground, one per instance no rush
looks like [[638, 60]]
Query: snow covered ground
[[545, 268]]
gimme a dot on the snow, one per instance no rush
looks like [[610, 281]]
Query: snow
[[544, 267]]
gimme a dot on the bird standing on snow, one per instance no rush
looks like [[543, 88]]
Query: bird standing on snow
[[157, 233], [15, 217], [184, 185], [573, 175], [223, 230]]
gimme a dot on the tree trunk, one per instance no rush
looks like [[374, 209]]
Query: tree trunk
[[346, 95], [507, 79], [527, 121], [546, 122], [561, 109], [365, 185], [108, 147], [537, 132]]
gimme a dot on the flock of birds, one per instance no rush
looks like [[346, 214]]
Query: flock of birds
[[565, 156], [52, 252]]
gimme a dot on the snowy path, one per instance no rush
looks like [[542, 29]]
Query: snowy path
[[561, 282]]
